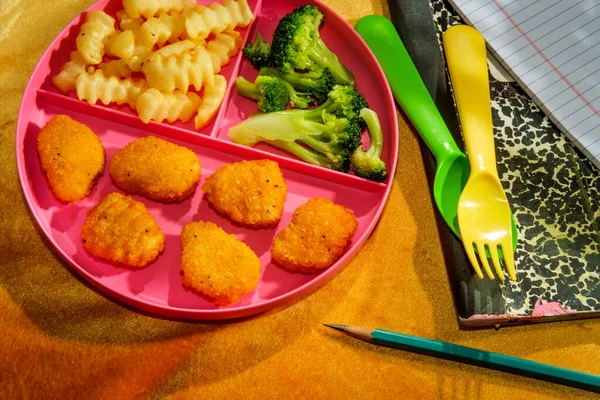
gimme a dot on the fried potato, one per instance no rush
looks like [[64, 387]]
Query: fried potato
[[71, 156], [251, 193], [217, 264], [121, 229], [316, 237], [211, 101], [156, 169]]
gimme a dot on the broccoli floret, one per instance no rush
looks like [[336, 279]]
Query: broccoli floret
[[318, 82], [271, 92], [289, 130], [326, 135], [297, 99], [297, 45], [368, 164], [258, 53], [329, 149], [341, 163], [342, 101]]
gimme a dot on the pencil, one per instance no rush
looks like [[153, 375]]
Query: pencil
[[468, 355]]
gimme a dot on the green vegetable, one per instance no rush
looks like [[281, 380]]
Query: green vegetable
[[270, 92], [258, 53], [368, 164], [317, 83], [343, 101], [297, 45], [326, 135], [298, 99]]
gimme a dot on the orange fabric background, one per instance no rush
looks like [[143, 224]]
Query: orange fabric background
[[61, 339]]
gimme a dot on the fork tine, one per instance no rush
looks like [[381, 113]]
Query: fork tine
[[496, 262], [484, 260], [473, 258], [509, 258]]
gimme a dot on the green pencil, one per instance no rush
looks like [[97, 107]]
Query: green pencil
[[472, 356]]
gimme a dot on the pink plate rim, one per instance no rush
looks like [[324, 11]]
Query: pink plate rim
[[224, 313]]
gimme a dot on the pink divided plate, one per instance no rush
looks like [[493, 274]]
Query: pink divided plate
[[157, 288]]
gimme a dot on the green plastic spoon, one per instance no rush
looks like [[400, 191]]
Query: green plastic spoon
[[452, 171]]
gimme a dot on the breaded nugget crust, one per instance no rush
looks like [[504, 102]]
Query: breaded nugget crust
[[251, 193], [157, 169], [316, 237], [121, 229], [216, 263], [72, 157]]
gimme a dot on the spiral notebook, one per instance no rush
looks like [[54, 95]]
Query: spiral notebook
[[551, 48]]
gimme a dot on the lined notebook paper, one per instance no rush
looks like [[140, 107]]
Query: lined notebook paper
[[552, 48]]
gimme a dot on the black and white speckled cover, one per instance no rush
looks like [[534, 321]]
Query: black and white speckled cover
[[553, 190]]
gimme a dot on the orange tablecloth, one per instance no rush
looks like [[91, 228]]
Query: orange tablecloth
[[61, 339]]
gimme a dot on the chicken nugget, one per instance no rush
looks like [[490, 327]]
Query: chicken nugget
[[251, 193], [316, 237], [217, 264], [157, 169], [71, 156], [121, 229]]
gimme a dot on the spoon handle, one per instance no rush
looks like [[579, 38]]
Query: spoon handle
[[407, 86], [465, 54]]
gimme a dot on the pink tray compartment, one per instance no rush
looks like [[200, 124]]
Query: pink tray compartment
[[350, 49]]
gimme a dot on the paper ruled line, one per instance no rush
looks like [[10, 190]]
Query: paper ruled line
[[550, 63]]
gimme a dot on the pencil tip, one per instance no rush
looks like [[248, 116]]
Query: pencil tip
[[336, 326]]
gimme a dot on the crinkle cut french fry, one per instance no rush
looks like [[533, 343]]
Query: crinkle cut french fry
[[121, 44], [151, 8], [172, 49], [223, 47], [93, 35], [108, 89], [153, 37], [118, 68], [126, 23], [216, 18], [65, 79], [192, 68], [157, 106], [140, 53], [213, 97], [162, 29]]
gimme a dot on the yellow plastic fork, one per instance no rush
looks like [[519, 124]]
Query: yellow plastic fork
[[484, 217]]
